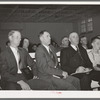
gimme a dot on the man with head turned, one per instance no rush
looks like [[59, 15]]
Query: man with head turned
[[47, 64], [74, 59], [13, 60]]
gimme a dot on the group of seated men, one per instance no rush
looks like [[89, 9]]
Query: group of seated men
[[75, 73]]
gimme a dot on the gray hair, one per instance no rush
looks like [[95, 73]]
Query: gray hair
[[72, 33], [12, 32]]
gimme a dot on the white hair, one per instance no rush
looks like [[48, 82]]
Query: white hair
[[70, 35], [11, 33]]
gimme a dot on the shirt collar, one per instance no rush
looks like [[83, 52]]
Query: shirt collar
[[13, 49], [84, 47], [47, 47], [74, 47]]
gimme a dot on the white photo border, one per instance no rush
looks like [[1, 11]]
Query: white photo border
[[50, 94]]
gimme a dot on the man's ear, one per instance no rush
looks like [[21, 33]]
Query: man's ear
[[92, 44], [41, 38], [10, 37], [69, 39]]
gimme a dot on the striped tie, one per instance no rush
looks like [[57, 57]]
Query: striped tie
[[52, 56]]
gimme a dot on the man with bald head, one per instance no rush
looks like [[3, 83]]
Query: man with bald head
[[13, 60], [74, 59]]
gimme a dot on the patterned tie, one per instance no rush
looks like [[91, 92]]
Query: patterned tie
[[52, 56], [79, 53]]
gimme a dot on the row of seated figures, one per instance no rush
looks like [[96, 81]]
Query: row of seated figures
[[94, 84]]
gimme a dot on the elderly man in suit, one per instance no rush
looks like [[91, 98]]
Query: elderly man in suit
[[74, 59], [46, 61], [13, 60]]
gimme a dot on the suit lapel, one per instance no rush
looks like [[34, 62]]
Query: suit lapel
[[45, 50], [72, 49], [56, 63], [54, 55], [12, 57]]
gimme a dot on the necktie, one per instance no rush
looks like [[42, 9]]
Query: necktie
[[19, 62], [52, 56], [79, 53]]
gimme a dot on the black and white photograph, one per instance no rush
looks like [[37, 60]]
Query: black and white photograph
[[49, 49]]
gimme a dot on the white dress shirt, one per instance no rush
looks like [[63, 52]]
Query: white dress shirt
[[94, 57], [47, 48], [17, 57], [74, 47]]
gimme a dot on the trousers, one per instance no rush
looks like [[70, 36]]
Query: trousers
[[85, 80], [35, 84], [70, 83]]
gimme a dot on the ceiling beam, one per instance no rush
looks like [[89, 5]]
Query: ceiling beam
[[51, 14], [72, 14], [11, 13], [33, 14]]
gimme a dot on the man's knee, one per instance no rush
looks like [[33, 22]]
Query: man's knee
[[37, 84], [63, 84], [73, 79], [76, 80], [12, 86], [86, 78]]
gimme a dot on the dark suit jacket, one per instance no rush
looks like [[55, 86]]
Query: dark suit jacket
[[70, 61], [45, 64], [9, 65]]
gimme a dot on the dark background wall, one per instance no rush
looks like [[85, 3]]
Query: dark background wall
[[57, 30], [31, 30]]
